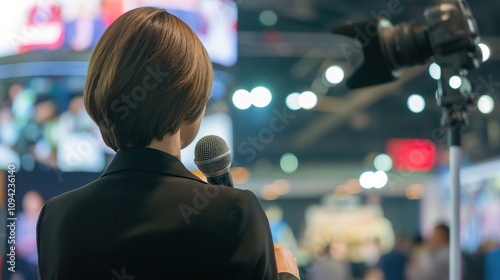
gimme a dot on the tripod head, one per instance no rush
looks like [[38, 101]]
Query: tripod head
[[454, 39]]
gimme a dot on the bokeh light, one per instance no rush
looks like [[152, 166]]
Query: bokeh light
[[485, 49], [380, 179], [435, 71], [334, 74], [455, 82], [308, 100], [268, 18], [366, 179], [242, 99], [416, 103], [485, 104], [240, 175], [383, 162], [292, 101], [261, 97], [415, 191], [289, 163]]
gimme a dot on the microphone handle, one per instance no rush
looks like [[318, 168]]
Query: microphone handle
[[224, 180]]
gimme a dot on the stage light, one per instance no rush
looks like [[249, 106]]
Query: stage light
[[289, 163], [455, 82], [435, 71], [383, 162], [292, 101], [485, 104], [242, 99], [485, 50], [261, 97], [268, 18], [379, 179], [416, 103], [334, 74], [308, 100]]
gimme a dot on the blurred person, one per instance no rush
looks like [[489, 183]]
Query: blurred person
[[417, 250], [331, 263], [38, 139], [374, 274], [147, 216], [281, 231], [392, 265], [358, 266], [475, 262], [78, 141], [21, 104], [433, 263], [32, 203], [372, 250], [83, 24], [8, 130], [75, 119]]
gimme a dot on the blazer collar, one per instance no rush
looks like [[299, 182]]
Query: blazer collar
[[148, 159]]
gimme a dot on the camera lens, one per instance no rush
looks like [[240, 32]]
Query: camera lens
[[386, 48], [405, 44]]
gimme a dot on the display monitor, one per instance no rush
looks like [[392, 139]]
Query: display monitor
[[77, 25]]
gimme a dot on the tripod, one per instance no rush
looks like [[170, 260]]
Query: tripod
[[456, 103]]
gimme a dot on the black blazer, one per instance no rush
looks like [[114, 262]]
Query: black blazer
[[148, 218]]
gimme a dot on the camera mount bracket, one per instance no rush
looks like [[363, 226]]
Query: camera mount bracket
[[454, 39]]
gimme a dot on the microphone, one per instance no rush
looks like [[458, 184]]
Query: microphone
[[213, 158]]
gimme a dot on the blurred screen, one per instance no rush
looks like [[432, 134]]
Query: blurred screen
[[44, 121], [51, 25]]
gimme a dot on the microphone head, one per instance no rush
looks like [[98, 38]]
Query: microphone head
[[212, 155]]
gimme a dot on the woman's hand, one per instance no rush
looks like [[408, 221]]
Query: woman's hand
[[285, 261]]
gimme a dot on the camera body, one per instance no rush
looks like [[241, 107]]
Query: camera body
[[449, 35]]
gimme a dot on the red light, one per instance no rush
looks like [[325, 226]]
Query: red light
[[412, 154]]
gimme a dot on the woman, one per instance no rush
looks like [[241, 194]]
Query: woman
[[147, 216]]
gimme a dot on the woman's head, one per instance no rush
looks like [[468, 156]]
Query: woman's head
[[148, 76]]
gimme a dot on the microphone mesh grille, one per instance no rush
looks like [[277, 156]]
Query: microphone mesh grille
[[210, 147]]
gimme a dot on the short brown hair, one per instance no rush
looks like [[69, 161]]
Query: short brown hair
[[148, 73]]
